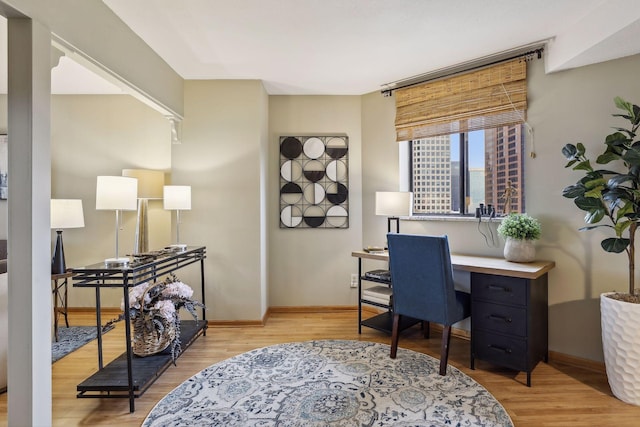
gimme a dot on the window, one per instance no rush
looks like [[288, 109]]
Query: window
[[462, 170], [466, 139]]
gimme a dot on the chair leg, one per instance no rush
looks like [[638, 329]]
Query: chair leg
[[444, 349], [395, 331], [425, 329]]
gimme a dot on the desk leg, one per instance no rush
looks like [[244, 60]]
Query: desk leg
[[65, 303], [204, 314], [359, 295], [55, 309]]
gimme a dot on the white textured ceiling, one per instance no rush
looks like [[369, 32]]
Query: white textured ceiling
[[352, 47]]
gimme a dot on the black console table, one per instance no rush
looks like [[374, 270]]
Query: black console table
[[129, 376]]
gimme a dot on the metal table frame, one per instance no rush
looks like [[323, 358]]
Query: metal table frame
[[99, 276], [60, 303]]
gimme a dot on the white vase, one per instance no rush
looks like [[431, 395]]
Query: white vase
[[621, 346], [517, 250]]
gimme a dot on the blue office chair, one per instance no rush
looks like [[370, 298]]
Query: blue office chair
[[422, 279]]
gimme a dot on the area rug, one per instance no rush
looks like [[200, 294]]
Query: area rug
[[72, 338], [328, 383]]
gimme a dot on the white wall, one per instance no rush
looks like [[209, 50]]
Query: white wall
[[223, 138], [570, 106], [310, 267], [95, 135]]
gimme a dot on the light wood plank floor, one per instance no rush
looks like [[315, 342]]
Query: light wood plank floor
[[561, 395]]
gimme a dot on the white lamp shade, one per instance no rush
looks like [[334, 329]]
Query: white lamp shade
[[66, 213], [150, 182], [394, 203], [116, 193], [177, 197]]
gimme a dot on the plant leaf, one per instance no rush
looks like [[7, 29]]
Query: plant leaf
[[615, 244], [570, 151], [594, 216], [591, 227], [607, 157], [588, 203], [619, 179], [573, 191], [623, 105], [616, 139], [632, 156], [584, 165]]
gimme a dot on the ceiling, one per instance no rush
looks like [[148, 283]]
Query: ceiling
[[352, 47]]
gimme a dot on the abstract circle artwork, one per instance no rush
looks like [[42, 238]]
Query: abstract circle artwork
[[314, 181]]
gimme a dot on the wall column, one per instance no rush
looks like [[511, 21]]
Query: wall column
[[29, 246]]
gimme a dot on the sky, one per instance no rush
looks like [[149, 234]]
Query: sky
[[476, 148]]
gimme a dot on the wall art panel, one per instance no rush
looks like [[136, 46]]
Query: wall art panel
[[314, 181]]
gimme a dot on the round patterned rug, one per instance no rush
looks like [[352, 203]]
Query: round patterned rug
[[328, 383]]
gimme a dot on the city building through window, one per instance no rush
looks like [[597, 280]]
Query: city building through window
[[458, 173]]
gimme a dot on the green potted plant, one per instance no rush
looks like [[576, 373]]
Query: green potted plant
[[519, 231], [613, 196]]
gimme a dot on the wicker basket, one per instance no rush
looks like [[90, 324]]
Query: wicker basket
[[146, 338]]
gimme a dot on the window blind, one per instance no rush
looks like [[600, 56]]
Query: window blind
[[490, 97]]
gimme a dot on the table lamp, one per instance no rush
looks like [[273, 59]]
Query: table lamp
[[394, 204], [177, 197], [65, 213], [116, 193], [150, 184]]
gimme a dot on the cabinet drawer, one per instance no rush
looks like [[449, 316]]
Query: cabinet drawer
[[502, 289], [500, 318], [502, 350]]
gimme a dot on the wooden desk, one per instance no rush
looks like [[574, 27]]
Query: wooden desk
[[480, 264], [509, 308]]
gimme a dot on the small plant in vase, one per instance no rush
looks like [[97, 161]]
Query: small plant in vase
[[519, 231]]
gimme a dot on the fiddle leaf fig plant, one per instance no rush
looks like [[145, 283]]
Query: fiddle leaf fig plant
[[611, 194]]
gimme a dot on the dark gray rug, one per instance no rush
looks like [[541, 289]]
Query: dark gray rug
[[333, 382], [72, 338]]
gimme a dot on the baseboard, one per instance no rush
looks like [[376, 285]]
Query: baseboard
[[233, 323], [577, 362], [283, 309], [313, 309]]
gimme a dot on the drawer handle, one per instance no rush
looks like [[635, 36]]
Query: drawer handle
[[504, 319], [498, 348], [499, 288]]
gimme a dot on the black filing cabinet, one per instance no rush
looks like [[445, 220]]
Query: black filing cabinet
[[509, 321]]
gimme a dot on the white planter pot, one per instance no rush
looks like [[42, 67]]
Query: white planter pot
[[621, 345], [516, 250]]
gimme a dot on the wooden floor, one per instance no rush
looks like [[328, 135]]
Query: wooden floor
[[561, 395]]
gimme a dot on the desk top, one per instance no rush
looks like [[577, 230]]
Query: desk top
[[481, 264]]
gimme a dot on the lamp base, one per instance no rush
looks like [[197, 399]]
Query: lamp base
[[117, 262], [58, 265]]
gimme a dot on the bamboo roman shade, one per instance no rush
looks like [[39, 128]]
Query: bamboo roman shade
[[490, 97]]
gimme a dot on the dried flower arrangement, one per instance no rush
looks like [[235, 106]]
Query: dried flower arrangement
[[154, 312]]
